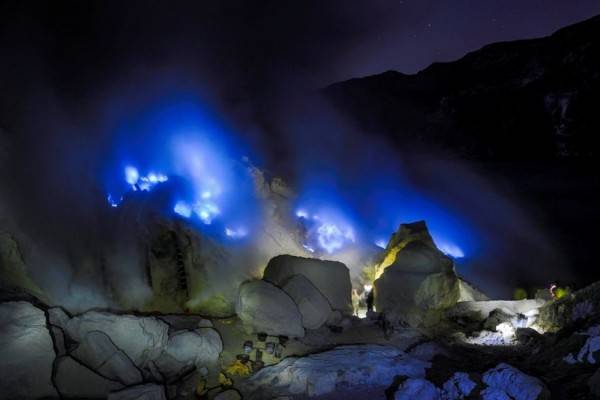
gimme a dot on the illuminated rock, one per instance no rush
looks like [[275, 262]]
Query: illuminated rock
[[141, 338], [313, 306], [480, 310], [331, 278], [459, 386], [351, 367], [265, 308], [26, 352]]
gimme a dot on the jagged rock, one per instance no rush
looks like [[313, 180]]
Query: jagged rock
[[313, 306], [141, 338], [100, 354], [358, 366], [557, 314], [26, 352], [266, 308], [229, 395], [420, 389], [458, 386], [75, 380], [187, 350], [515, 383], [149, 391], [331, 278]]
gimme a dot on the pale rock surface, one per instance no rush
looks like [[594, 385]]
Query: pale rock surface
[[141, 338], [331, 278], [356, 366], [26, 352], [266, 308], [313, 306]]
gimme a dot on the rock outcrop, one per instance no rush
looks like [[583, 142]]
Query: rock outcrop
[[26, 352], [415, 276], [264, 307], [331, 278]]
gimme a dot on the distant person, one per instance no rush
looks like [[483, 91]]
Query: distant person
[[370, 300]]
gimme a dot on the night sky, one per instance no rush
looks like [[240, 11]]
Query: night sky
[[72, 71], [256, 49]]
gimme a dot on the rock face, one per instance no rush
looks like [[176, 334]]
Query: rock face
[[99, 353], [331, 278], [363, 366], [313, 306], [141, 338], [266, 308], [27, 352], [13, 271], [75, 380], [417, 389]]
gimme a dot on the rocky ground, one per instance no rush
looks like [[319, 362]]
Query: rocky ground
[[47, 353], [294, 333]]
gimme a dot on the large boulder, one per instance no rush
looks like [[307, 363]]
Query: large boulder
[[26, 352], [331, 278], [75, 380], [420, 279], [187, 350], [100, 354], [313, 306], [141, 338], [264, 307], [358, 366]]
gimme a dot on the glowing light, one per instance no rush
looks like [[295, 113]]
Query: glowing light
[[206, 195], [131, 175], [183, 209], [450, 249], [381, 243], [332, 238], [112, 202], [308, 248], [206, 211], [368, 288], [301, 214], [236, 233]]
